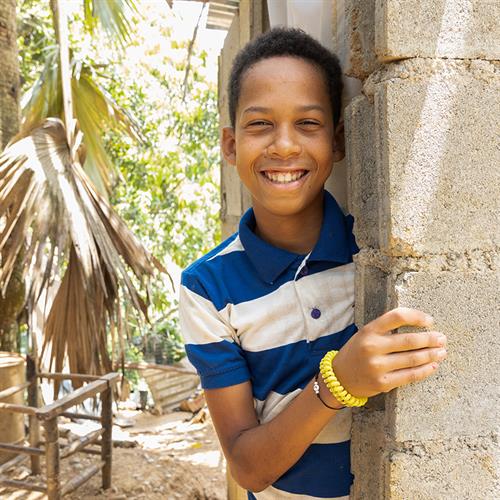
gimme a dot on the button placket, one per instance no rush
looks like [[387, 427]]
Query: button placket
[[296, 285]]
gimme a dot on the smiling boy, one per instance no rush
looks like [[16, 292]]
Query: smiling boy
[[262, 310]]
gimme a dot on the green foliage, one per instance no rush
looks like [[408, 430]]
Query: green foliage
[[133, 354], [113, 15], [167, 187], [164, 344], [35, 39], [93, 106]]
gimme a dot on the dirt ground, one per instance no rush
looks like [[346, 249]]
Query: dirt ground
[[164, 457]]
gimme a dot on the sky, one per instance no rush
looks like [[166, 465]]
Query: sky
[[187, 14]]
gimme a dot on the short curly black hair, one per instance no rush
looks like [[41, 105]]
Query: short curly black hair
[[286, 42]]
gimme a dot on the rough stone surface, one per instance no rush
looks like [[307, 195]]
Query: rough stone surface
[[473, 261], [462, 398], [437, 135], [466, 29], [455, 469], [354, 40], [371, 291], [367, 450], [422, 154], [362, 171]]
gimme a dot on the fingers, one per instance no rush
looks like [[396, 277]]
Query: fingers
[[411, 359], [407, 376], [384, 360], [410, 341], [402, 316]]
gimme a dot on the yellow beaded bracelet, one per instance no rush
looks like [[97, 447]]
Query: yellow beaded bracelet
[[334, 386]]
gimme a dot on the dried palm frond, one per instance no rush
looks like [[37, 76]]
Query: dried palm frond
[[50, 208]]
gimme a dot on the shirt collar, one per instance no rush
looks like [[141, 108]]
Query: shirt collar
[[335, 243]]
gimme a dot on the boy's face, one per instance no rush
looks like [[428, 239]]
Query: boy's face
[[283, 143]]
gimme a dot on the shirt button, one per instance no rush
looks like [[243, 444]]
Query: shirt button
[[315, 313]]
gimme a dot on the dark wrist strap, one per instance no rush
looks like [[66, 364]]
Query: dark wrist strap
[[316, 391]]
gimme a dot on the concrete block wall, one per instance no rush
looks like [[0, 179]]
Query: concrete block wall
[[455, 29], [424, 187]]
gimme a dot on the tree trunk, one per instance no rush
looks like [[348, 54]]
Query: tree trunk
[[12, 303], [9, 73]]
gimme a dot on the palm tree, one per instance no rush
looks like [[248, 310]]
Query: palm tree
[[56, 220], [50, 204], [93, 107]]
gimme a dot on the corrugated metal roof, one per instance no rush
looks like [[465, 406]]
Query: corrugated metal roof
[[221, 13]]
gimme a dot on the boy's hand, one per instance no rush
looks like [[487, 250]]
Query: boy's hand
[[375, 360]]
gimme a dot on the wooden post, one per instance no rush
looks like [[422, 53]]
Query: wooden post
[[34, 423], [52, 458], [106, 440], [234, 490]]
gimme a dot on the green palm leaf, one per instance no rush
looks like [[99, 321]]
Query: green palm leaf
[[93, 107], [113, 15]]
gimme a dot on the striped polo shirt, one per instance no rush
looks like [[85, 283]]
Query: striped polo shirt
[[253, 312]]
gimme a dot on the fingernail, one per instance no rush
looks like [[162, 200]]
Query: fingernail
[[434, 365], [442, 353], [441, 340], [429, 319]]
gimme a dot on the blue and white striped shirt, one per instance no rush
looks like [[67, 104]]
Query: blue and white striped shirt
[[251, 311]]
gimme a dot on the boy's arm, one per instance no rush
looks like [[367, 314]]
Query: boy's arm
[[259, 454], [372, 361]]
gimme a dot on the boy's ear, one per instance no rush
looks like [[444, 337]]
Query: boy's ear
[[339, 142], [228, 145]]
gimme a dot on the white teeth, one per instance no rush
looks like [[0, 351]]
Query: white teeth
[[284, 178]]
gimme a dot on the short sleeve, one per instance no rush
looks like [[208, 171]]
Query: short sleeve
[[209, 342]]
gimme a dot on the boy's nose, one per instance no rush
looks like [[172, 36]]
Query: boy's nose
[[284, 144]]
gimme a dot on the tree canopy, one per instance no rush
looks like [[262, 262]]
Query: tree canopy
[[166, 179]]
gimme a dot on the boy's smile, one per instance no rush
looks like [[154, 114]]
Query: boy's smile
[[283, 142]]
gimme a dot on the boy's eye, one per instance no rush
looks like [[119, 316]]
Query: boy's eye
[[309, 123], [258, 123]]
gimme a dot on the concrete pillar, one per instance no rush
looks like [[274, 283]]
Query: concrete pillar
[[422, 154]]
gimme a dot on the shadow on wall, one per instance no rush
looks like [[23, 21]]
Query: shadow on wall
[[438, 148]]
